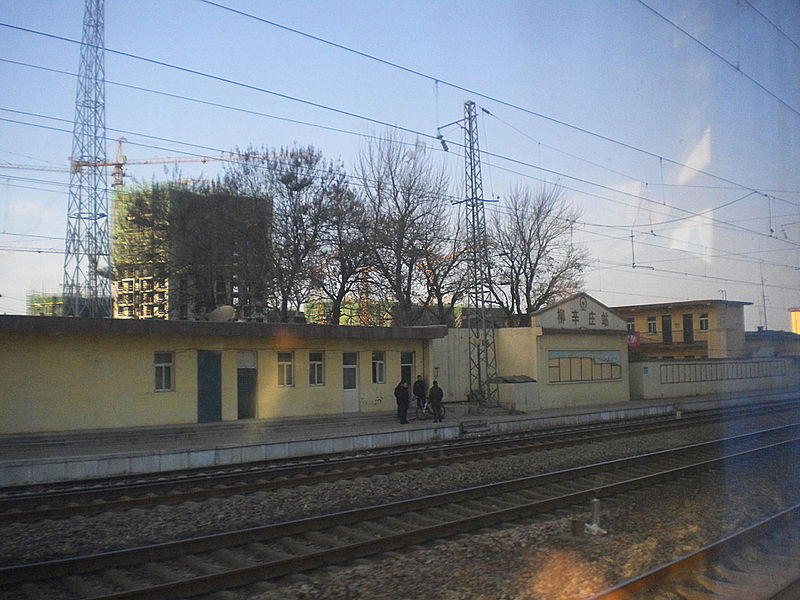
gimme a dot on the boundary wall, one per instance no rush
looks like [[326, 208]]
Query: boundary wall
[[660, 379]]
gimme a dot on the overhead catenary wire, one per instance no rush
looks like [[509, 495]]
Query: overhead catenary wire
[[477, 93], [369, 119], [217, 150], [719, 56]]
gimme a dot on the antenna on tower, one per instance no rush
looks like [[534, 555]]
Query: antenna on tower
[[87, 257]]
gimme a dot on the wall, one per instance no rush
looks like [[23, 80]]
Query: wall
[[727, 338], [552, 395], [697, 378], [450, 364], [524, 351], [72, 382], [516, 351], [304, 399]]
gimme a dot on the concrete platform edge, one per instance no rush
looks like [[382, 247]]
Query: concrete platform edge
[[70, 468]]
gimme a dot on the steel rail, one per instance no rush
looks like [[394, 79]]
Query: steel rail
[[701, 560], [92, 499], [508, 506]]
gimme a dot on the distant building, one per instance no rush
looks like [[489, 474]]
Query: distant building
[[179, 254], [766, 343], [795, 316], [694, 329], [40, 304]]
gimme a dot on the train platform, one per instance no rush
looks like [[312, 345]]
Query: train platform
[[86, 454]]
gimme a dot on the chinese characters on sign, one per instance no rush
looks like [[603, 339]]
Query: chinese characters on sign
[[581, 315]]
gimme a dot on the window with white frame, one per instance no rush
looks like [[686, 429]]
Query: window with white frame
[[704, 322], [378, 367], [163, 364], [630, 324], [285, 369], [651, 325], [316, 368]]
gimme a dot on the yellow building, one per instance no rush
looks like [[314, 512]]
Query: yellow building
[[69, 373], [795, 316], [695, 329]]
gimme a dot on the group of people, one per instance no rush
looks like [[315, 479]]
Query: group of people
[[435, 395]]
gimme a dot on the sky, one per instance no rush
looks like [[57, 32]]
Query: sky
[[673, 126]]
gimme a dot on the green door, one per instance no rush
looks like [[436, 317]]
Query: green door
[[209, 386]]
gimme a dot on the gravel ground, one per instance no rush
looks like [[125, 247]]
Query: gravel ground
[[540, 560], [537, 560]]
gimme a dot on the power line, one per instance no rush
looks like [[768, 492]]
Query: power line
[[768, 20], [354, 179], [439, 80], [719, 56], [376, 121]]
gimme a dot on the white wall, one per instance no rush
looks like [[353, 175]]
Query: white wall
[[672, 379]]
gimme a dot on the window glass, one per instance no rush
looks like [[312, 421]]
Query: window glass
[[407, 366], [378, 367], [651, 325], [704, 322], [163, 371], [316, 368], [285, 369]]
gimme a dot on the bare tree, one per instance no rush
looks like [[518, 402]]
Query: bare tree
[[534, 259], [344, 250], [403, 196], [301, 186], [446, 273]]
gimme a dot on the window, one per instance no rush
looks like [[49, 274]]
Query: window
[[704, 322], [285, 369], [407, 366], [651, 325], [630, 324], [163, 362], [316, 368], [378, 367]]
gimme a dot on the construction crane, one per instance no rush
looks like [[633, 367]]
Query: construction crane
[[120, 161]]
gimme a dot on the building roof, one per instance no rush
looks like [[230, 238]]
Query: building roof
[[680, 304], [84, 326], [771, 335]]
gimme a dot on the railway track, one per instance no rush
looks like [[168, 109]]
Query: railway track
[[208, 564], [59, 501], [761, 562]]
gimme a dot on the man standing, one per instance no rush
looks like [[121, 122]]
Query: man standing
[[436, 394], [401, 395], [419, 391]]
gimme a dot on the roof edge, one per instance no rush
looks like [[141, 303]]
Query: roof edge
[[79, 325]]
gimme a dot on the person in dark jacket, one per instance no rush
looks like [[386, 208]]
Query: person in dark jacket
[[419, 391], [436, 394], [401, 395]]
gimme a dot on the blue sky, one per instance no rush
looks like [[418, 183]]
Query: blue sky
[[675, 121]]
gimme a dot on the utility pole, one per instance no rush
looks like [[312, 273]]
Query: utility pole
[[87, 258], [483, 357]]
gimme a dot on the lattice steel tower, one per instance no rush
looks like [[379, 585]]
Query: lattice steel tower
[[87, 259], [482, 355]]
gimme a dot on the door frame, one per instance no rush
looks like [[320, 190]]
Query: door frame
[[350, 395]]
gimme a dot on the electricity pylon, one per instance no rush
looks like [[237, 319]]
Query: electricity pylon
[[87, 257], [483, 357]]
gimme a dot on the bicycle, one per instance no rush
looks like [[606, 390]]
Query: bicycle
[[426, 412]]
